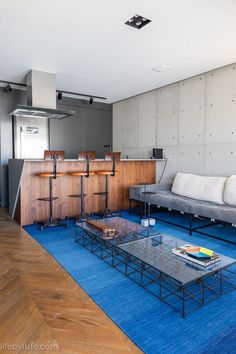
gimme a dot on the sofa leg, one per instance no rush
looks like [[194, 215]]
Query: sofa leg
[[190, 224], [145, 210]]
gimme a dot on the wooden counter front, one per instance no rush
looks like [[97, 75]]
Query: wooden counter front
[[28, 208]]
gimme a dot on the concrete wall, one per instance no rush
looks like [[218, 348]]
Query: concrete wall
[[193, 120], [90, 128]]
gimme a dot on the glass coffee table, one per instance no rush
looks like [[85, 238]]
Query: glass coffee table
[[145, 256]]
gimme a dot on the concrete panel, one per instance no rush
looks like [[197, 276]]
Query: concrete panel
[[160, 173], [118, 123], [167, 115], [116, 148], [147, 119], [130, 153], [171, 153], [191, 159], [195, 124], [191, 111], [221, 105], [145, 152], [220, 159], [130, 132]]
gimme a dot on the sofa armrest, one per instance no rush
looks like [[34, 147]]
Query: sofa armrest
[[135, 192]]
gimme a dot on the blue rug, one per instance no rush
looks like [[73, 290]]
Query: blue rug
[[150, 323]]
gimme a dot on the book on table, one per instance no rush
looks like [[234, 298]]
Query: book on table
[[197, 254]]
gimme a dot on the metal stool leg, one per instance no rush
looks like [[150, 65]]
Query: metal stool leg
[[149, 212], [108, 212], [82, 195], [50, 200], [106, 199], [82, 216], [51, 221]]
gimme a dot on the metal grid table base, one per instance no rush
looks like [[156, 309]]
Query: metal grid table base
[[183, 298]]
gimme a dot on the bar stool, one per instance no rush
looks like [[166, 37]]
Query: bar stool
[[53, 155], [109, 156], [83, 156]]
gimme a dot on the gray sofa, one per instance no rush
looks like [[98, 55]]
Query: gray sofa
[[165, 198]]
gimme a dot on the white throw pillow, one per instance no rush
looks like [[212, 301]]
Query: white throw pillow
[[230, 191], [204, 188]]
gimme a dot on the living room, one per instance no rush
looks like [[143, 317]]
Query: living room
[[118, 185]]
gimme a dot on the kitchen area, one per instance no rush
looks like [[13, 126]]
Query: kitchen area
[[49, 121]]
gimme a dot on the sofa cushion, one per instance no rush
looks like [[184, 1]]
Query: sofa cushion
[[167, 199], [204, 188], [230, 191], [213, 211]]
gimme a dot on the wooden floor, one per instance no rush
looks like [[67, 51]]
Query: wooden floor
[[42, 308]]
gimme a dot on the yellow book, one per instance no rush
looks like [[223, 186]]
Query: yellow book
[[206, 251]]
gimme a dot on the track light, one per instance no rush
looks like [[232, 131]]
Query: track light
[[8, 88], [91, 100], [59, 95]]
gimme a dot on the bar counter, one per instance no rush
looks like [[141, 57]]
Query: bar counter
[[26, 187]]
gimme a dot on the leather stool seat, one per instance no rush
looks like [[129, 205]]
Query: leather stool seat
[[80, 173], [49, 174], [105, 172]]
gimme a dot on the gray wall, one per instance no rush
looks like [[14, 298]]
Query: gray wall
[[7, 103], [90, 128], [193, 120]]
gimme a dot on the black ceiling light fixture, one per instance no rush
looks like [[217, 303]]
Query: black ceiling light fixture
[[8, 88], [59, 95], [91, 100], [137, 21]]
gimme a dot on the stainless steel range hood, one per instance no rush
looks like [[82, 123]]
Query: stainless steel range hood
[[36, 112], [41, 98]]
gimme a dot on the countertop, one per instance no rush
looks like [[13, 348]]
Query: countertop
[[97, 160]]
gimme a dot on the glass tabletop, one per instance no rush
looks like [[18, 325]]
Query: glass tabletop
[[160, 256], [126, 231], [144, 244]]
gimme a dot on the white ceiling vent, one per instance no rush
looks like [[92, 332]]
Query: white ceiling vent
[[161, 68]]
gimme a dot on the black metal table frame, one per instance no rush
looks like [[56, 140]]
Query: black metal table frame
[[197, 229], [157, 282]]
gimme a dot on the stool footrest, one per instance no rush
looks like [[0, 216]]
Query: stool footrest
[[101, 193], [77, 195], [47, 199]]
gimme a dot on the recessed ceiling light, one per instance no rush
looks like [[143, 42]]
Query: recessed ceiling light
[[137, 21], [161, 68]]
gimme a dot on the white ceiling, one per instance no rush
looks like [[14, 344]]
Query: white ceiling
[[87, 45]]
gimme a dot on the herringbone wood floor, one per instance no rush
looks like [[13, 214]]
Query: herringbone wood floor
[[40, 304]]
